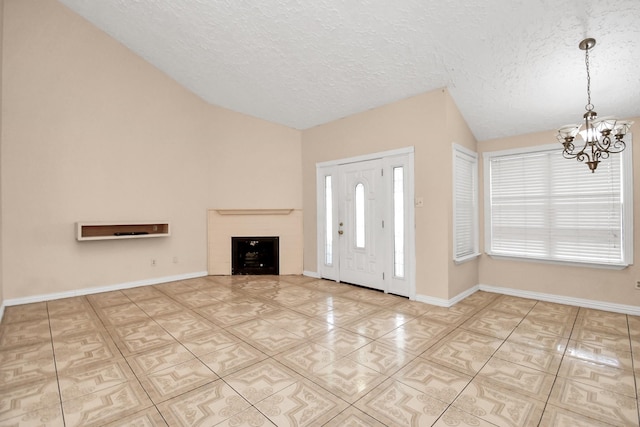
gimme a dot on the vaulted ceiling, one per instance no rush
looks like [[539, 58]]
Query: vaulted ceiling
[[512, 66]]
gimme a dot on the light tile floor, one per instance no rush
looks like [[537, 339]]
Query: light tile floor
[[292, 350]]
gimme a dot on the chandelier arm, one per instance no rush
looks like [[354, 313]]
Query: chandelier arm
[[595, 152], [611, 146], [599, 154], [569, 155], [617, 146], [603, 143], [580, 156]]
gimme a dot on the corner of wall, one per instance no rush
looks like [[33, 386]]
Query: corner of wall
[[462, 277]]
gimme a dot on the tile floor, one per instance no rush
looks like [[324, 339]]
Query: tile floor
[[292, 350]]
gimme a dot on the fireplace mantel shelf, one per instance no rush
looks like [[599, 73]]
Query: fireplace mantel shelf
[[254, 211]]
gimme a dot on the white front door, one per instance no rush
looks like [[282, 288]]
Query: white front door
[[366, 221], [360, 233]]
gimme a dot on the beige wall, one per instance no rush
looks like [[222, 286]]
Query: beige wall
[[269, 155], [615, 286], [422, 122], [93, 132]]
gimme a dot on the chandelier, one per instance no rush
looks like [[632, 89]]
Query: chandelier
[[600, 137]]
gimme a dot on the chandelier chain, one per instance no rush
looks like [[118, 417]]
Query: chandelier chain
[[589, 106]]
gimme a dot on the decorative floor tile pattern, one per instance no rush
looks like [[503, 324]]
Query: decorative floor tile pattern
[[20, 365], [45, 417], [84, 349], [204, 406], [499, 406], [293, 350], [140, 336], [307, 358], [232, 358], [37, 396], [381, 357], [301, 404], [26, 332], [82, 381], [493, 323], [170, 382], [527, 381], [395, 403], [433, 380], [353, 417], [147, 418], [612, 379], [342, 342], [259, 381], [106, 405], [73, 323], [158, 359], [464, 351], [531, 357], [456, 417], [594, 402], [347, 379]]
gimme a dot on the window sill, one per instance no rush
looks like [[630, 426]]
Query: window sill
[[462, 260], [564, 263]]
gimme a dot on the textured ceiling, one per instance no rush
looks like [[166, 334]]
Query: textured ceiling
[[512, 66]]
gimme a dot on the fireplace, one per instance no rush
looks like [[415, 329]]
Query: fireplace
[[255, 255]]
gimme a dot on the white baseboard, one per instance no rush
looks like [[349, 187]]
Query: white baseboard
[[89, 291], [441, 302], [560, 299]]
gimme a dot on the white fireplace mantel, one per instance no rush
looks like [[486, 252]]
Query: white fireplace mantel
[[254, 211]]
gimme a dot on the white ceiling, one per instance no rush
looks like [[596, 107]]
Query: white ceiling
[[512, 66]]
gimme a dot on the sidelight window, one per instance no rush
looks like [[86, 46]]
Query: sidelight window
[[328, 238], [398, 221], [360, 216]]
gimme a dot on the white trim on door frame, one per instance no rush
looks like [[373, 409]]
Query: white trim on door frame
[[387, 157]]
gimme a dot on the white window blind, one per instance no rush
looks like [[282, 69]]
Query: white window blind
[[542, 206], [465, 203]]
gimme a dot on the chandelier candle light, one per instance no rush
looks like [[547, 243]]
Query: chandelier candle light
[[597, 133]]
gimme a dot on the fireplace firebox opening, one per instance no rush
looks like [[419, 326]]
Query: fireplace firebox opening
[[255, 255]]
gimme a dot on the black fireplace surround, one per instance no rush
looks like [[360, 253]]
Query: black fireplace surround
[[255, 255]]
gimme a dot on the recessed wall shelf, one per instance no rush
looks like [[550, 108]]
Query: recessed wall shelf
[[124, 230]]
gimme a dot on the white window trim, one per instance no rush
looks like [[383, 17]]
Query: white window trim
[[465, 152], [627, 210]]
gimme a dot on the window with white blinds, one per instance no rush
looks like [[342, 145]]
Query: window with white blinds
[[465, 204], [540, 205]]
